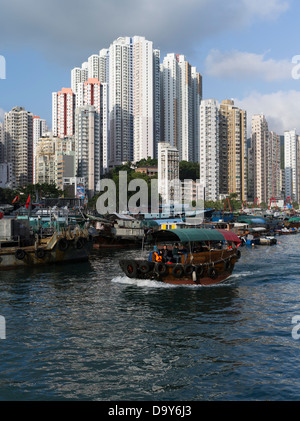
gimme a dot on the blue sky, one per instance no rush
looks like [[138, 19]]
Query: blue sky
[[243, 49]]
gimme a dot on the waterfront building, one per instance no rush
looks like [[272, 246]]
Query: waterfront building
[[18, 128], [291, 150], [209, 148], [181, 96], [63, 107], [168, 173], [233, 150]]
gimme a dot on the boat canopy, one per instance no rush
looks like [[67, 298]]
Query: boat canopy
[[251, 221], [229, 236], [186, 235], [294, 219]]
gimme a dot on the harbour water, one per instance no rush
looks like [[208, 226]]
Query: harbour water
[[86, 332]]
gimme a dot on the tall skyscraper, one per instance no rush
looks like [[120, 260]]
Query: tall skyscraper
[[134, 99], [18, 127], [93, 93], [120, 101], [63, 107], [290, 164], [88, 147], [78, 75], [209, 148], [274, 176], [233, 150], [143, 98], [181, 96], [260, 148]]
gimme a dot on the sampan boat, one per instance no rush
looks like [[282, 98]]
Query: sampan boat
[[207, 256]]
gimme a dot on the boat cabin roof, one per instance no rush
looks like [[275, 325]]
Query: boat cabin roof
[[186, 235]]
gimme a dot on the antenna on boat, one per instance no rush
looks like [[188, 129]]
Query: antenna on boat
[[271, 200]]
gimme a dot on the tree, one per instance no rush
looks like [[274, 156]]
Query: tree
[[189, 170]]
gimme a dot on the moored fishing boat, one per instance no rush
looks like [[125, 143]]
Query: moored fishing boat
[[206, 256], [61, 247]]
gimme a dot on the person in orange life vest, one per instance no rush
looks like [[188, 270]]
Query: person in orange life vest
[[157, 255]]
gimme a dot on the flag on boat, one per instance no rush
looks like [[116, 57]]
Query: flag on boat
[[28, 202], [16, 199]]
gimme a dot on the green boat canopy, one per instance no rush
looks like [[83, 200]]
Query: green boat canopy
[[186, 235], [294, 219]]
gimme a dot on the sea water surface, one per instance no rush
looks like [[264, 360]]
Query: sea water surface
[[86, 332]]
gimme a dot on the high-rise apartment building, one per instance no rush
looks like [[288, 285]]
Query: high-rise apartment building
[[181, 96], [260, 152], [291, 149], [78, 75], [134, 99], [39, 129], [88, 147], [209, 148], [168, 173], [233, 150], [63, 107], [93, 93], [274, 174], [120, 101], [18, 127], [2, 143]]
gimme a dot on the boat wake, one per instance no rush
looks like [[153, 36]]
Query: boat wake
[[149, 283]]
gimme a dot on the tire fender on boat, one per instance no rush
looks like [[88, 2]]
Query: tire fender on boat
[[161, 268], [40, 253], [20, 254], [79, 243], [130, 269], [144, 267], [188, 269], [178, 271], [63, 244]]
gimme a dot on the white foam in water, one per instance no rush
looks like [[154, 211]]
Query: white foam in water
[[141, 282], [149, 283]]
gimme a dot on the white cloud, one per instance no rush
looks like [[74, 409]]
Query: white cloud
[[266, 9], [281, 109], [244, 65], [66, 31]]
